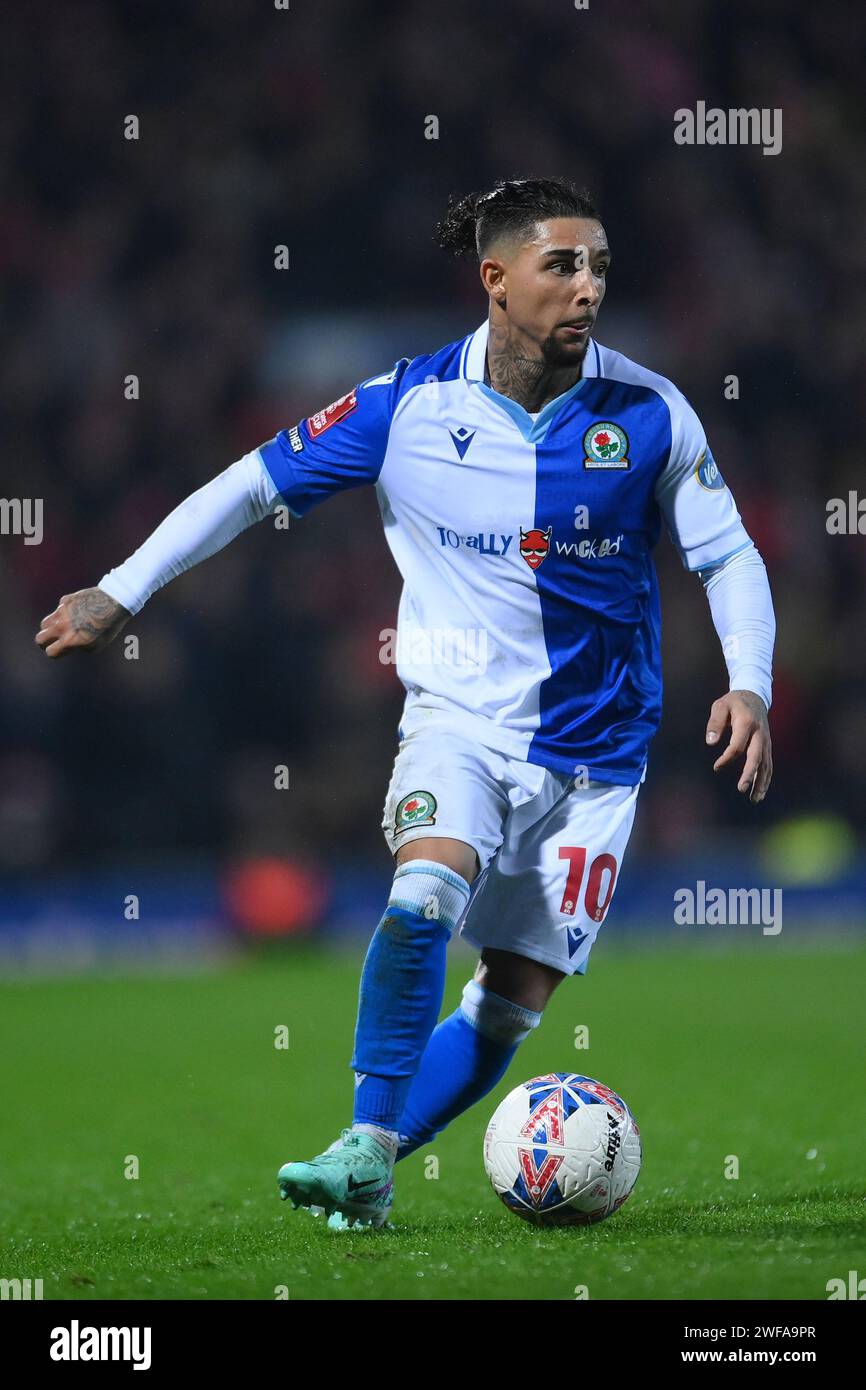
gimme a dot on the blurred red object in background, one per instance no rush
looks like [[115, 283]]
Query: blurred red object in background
[[275, 897]]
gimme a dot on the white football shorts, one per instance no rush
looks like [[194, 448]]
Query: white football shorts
[[549, 849]]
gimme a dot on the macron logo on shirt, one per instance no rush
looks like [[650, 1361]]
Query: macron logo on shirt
[[462, 439]]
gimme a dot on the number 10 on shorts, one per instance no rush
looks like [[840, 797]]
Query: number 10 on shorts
[[602, 869]]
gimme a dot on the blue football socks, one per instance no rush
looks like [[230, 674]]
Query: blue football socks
[[402, 985], [467, 1055]]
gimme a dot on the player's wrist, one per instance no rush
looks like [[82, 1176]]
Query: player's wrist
[[114, 587], [754, 687]]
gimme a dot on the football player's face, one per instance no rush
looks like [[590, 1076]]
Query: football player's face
[[551, 286]]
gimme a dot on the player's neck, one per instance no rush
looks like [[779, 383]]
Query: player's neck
[[530, 381]]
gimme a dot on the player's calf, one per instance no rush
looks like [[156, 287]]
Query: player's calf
[[467, 1055], [401, 993]]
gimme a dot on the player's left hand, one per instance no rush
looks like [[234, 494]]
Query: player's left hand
[[746, 714]]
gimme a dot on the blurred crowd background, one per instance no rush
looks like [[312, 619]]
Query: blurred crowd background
[[305, 127]]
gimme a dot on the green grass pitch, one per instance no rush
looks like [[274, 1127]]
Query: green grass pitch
[[752, 1053]]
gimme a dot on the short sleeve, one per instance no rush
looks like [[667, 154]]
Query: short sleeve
[[697, 506], [340, 447]]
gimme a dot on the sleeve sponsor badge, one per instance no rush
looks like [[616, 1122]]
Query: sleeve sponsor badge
[[707, 472]]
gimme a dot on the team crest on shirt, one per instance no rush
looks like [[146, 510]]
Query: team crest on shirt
[[337, 410], [535, 545], [418, 808], [605, 445]]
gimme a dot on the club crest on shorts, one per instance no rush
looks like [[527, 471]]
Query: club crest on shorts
[[418, 808], [605, 445]]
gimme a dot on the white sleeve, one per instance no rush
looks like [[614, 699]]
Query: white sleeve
[[698, 508], [742, 609], [203, 524]]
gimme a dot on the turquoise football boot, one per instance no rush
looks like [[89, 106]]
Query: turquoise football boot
[[351, 1182]]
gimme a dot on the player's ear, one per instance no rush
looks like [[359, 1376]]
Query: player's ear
[[493, 277]]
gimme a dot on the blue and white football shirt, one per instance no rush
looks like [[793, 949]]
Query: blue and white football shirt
[[529, 615]]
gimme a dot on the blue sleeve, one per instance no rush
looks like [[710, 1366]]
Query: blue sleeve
[[340, 447]]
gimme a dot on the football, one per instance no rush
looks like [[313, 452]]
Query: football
[[562, 1150]]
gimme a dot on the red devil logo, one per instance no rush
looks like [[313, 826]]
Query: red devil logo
[[534, 545]]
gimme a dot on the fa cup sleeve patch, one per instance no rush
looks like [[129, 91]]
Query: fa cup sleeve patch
[[337, 410]]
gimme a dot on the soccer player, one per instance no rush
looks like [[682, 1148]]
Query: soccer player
[[522, 474]]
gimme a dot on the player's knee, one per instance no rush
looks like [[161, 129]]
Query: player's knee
[[424, 888], [498, 1019], [455, 854], [528, 983]]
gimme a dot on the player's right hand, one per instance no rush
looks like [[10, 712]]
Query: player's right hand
[[84, 621]]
